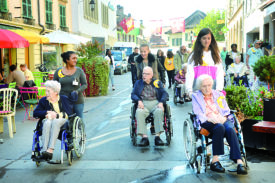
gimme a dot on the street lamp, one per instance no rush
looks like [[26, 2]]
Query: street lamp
[[92, 5]]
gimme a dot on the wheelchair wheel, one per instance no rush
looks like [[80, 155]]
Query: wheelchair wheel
[[70, 157], [175, 96], [133, 127], [36, 154], [79, 137], [169, 126], [189, 140]]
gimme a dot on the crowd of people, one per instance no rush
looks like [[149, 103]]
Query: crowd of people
[[200, 76]]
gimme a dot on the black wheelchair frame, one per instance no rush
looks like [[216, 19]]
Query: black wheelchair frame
[[196, 142], [167, 124], [72, 136], [177, 94]]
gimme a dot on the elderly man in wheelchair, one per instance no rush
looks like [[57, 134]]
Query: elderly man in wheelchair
[[150, 97], [55, 113], [211, 109]]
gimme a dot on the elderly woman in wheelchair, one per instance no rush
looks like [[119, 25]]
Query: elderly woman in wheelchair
[[53, 110], [211, 109]]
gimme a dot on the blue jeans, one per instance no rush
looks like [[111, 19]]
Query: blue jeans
[[219, 131], [111, 74], [78, 109]]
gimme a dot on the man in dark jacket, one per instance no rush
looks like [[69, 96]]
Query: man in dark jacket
[[131, 60], [150, 96]]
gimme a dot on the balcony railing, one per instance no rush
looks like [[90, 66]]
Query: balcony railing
[[6, 16], [66, 29], [50, 26]]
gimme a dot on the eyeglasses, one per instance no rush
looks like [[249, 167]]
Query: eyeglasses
[[146, 73], [259, 43]]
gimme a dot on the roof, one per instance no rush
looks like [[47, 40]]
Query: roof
[[192, 20], [268, 3]]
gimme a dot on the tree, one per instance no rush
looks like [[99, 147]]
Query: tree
[[215, 20]]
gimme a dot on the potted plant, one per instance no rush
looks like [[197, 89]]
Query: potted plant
[[95, 67], [264, 69]]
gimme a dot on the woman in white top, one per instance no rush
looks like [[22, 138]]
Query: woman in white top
[[111, 61], [205, 59]]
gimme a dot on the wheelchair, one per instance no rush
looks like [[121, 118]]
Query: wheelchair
[[72, 136], [167, 124], [177, 94], [197, 139]]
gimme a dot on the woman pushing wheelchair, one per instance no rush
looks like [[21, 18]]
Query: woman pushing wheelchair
[[212, 111], [54, 110]]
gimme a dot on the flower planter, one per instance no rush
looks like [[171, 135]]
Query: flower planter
[[257, 140], [252, 139], [269, 109]]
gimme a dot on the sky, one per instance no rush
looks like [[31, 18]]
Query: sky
[[165, 9]]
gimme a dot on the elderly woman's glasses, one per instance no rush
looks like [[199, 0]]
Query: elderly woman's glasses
[[146, 73]]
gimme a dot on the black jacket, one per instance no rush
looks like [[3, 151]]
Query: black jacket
[[131, 58], [158, 70]]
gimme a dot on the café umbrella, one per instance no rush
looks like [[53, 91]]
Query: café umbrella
[[9, 39], [32, 37]]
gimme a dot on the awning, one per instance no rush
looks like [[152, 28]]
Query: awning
[[82, 39], [61, 37], [9, 39], [32, 37]]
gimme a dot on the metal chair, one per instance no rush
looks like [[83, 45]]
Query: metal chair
[[8, 109], [13, 85], [30, 101]]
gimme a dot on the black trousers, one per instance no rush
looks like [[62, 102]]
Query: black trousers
[[134, 74], [219, 131], [171, 77]]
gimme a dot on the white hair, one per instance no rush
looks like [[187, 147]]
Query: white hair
[[238, 56], [201, 78], [54, 85]]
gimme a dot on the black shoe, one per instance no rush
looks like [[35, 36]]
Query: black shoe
[[241, 169], [45, 156], [152, 129], [158, 141], [169, 87], [217, 167], [144, 142]]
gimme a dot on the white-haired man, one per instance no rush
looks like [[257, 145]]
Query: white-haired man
[[150, 96]]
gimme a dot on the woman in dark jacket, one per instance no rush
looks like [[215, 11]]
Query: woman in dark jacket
[[161, 57], [231, 55], [147, 59], [54, 110]]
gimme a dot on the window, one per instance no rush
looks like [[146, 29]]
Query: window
[[3, 6], [186, 36], [62, 16], [49, 12], [88, 13], [105, 15], [173, 42], [27, 9]]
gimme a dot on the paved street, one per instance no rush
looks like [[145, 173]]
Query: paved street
[[110, 155]]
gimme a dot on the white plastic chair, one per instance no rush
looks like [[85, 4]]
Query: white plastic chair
[[8, 98]]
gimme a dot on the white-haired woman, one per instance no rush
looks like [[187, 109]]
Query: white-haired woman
[[54, 110], [212, 111]]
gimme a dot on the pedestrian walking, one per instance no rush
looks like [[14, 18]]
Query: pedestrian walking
[[72, 80], [147, 59], [253, 55], [205, 59], [131, 60], [111, 61], [170, 68], [223, 56], [231, 56], [161, 57], [180, 58]]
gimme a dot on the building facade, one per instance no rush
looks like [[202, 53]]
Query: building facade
[[250, 20], [97, 24], [34, 16]]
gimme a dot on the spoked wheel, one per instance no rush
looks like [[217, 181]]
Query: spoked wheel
[[175, 96], [189, 141], [79, 137], [133, 134], [70, 157], [36, 154]]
